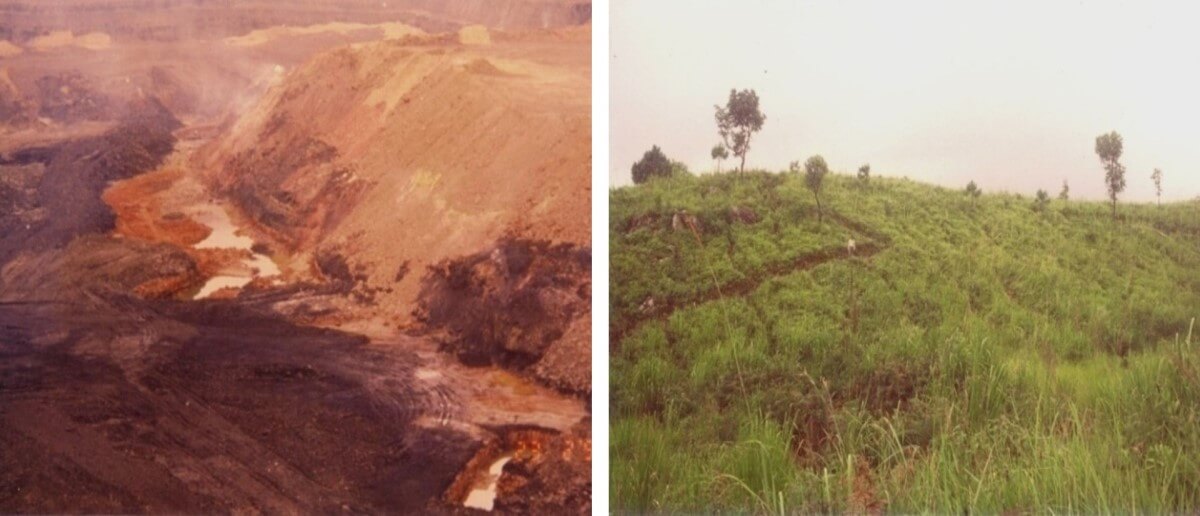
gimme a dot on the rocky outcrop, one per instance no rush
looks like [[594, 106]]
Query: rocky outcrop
[[554, 479], [524, 305], [743, 215]]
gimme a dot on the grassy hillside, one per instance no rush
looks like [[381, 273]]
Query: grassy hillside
[[972, 355]]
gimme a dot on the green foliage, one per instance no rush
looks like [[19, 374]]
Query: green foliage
[[679, 168], [719, 153], [985, 360], [1041, 201], [653, 164], [1065, 193], [815, 170], [667, 265], [1109, 147], [1157, 176], [738, 120], [864, 173], [973, 191]]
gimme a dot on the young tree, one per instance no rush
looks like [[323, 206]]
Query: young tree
[[1064, 194], [1157, 177], [1109, 147], [738, 121], [973, 191], [719, 153], [864, 174], [679, 168], [653, 164], [1041, 200], [814, 176], [794, 167]]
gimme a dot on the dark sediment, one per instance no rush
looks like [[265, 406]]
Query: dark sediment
[[113, 403], [514, 305]]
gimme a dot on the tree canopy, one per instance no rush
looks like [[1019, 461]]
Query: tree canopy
[[864, 173], [815, 170], [1157, 177], [653, 164], [1109, 147], [973, 190], [738, 120], [719, 153], [1041, 200]]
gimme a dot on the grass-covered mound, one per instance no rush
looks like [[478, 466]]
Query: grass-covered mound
[[986, 355]]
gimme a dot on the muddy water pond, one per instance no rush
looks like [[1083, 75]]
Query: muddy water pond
[[483, 496], [225, 235]]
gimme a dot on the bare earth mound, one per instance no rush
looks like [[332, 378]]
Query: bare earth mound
[[399, 155]]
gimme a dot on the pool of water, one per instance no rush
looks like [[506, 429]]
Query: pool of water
[[225, 235], [484, 497]]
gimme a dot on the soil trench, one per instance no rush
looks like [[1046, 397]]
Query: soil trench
[[665, 307]]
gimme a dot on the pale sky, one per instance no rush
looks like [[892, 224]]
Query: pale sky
[[1009, 94]]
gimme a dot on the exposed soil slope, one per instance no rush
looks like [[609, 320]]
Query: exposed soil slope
[[431, 150]]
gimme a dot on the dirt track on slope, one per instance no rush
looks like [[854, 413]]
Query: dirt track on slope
[[744, 286]]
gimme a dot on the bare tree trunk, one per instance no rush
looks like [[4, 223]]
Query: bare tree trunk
[[742, 168], [820, 211]]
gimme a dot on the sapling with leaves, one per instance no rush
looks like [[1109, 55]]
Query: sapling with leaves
[[864, 174], [973, 191], [1157, 177], [1041, 200], [719, 153], [1109, 147], [738, 120], [815, 170]]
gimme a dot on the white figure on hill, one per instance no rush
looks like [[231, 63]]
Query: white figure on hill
[[851, 247]]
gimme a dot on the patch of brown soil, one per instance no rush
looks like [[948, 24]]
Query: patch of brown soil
[[141, 207], [416, 151], [8, 49], [549, 474], [863, 498], [516, 305], [474, 35], [137, 203], [168, 286], [888, 389]]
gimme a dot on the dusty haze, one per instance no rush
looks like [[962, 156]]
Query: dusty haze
[[1009, 95]]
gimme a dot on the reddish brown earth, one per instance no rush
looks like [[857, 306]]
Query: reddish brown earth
[[364, 148]]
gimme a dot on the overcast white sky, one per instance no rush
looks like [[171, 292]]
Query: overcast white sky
[[1011, 94]]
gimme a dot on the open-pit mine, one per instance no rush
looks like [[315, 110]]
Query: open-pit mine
[[295, 257]]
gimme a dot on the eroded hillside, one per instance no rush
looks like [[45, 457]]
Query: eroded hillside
[[438, 148]]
